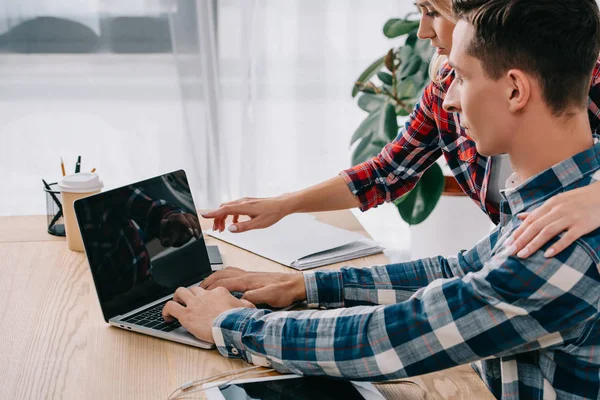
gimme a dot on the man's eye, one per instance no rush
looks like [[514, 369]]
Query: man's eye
[[433, 14]]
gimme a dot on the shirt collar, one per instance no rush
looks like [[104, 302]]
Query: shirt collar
[[553, 180]]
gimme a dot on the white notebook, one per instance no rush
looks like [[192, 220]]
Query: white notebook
[[300, 241]]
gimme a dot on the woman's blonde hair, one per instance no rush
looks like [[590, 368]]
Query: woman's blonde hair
[[444, 7]]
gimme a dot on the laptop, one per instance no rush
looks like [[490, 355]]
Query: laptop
[[142, 242]]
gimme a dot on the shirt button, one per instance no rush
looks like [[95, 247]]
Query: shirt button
[[234, 351]]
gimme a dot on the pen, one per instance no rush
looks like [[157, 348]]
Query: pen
[[62, 166], [46, 184], [78, 165]]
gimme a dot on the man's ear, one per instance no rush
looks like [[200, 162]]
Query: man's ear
[[518, 89]]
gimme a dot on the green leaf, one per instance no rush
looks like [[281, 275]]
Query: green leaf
[[424, 49], [398, 27], [362, 145], [411, 67], [385, 78], [411, 40], [379, 143], [369, 125], [403, 113], [370, 102], [407, 90], [388, 123], [365, 150], [405, 53], [418, 204], [367, 75]]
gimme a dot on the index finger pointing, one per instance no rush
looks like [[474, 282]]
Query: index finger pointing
[[232, 209], [172, 310], [212, 214]]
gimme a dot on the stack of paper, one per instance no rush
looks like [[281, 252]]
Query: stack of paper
[[301, 242]]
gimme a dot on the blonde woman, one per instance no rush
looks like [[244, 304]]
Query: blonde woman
[[431, 132]]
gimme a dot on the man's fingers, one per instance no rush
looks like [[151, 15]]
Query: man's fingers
[[225, 273], [265, 295], [172, 310], [248, 304], [183, 295], [236, 284], [197, 290]]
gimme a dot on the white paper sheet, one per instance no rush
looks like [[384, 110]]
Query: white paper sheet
[[294, 237]]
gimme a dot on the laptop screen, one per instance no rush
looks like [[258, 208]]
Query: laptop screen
[[143, 241]]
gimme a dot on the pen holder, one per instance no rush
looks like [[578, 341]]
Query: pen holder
[[54, 212]]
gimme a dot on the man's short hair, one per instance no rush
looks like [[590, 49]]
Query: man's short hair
[[556, 41]]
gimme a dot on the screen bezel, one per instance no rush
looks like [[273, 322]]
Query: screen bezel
[[77, 204]]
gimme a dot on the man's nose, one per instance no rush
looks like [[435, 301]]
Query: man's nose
[[452, 101]]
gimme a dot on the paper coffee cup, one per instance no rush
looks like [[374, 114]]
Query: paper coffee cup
[[75, 187]]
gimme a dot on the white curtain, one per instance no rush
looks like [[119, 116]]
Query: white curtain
[[87, 12], [254, 101], [122, 112], [287, 68]]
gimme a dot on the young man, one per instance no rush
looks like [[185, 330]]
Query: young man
[[530, 326]]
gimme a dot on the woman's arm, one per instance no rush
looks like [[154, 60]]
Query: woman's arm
[[386, 177]]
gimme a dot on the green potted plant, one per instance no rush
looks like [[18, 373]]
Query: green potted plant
[[402, 74], [390, 88]]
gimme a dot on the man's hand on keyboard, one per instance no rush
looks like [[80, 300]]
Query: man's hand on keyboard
[[196, 309], [275, 289]]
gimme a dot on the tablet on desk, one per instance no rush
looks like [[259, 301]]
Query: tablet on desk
[[288, 387]]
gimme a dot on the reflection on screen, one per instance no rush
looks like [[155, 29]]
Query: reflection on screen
[[143, 241], [296, 389]]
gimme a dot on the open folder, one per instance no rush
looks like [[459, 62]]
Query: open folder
[[301, 242]]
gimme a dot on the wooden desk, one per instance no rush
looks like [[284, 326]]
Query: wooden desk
[[56, 345]]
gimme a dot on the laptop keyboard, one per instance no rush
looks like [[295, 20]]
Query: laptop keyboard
[[152, 318]]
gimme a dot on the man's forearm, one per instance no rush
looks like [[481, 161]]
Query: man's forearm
[[380, 284], [449, 322], [331, 195]]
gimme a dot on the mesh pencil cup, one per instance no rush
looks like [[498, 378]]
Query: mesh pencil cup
[[54, 212]]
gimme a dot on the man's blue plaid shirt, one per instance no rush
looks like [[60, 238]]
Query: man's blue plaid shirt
[[530, 327]]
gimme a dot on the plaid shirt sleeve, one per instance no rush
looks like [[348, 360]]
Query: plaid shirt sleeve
[[399, 166], [390, 284], [510, 305]]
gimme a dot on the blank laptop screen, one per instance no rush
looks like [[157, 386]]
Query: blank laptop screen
[[143, 241]]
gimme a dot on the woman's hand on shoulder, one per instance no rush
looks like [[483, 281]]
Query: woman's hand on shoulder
[[574, 214]]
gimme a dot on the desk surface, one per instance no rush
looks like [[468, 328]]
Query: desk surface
[[55, 343]]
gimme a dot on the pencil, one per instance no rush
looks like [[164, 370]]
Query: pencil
[[62, 166]]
